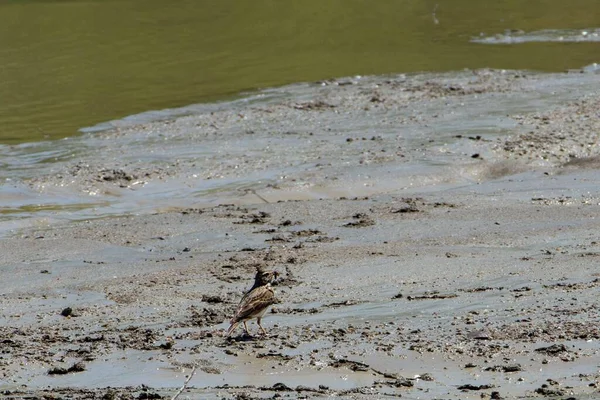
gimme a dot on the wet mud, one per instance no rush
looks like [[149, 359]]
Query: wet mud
[[456, 288]]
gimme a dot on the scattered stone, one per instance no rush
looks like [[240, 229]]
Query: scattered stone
[[321, 389], [58, 371], [544, 390], [469, 386], [281, 387], [505, 368], [343, 303], [77, 367], [212, 299], [432, 296], [166, 345], [67, 312], [403, 382], [553, 350], [352, 365], [361, 223], [149, 396], [426, 377], [479, 289]]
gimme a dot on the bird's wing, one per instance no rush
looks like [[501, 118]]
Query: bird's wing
[[254, 302]]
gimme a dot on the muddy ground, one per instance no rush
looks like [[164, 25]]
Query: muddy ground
[[482, 284]]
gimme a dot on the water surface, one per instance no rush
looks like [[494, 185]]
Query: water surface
[[71, 64]]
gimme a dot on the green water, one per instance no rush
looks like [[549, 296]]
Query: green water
[[65, 65]]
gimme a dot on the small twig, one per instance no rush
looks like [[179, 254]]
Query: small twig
[[185, 384], [258, 195]]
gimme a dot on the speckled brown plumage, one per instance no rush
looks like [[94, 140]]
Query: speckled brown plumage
[[255, 302]]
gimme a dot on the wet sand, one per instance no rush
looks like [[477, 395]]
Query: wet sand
[[475, 275]]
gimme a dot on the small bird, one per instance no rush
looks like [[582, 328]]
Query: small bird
[[256, 301]]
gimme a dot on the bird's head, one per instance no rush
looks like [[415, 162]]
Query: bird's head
[[263, 277]]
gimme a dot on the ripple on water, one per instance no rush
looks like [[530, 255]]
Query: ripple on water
[[546, 35]]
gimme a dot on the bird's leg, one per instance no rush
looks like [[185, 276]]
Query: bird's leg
[[261, 327], [246, 329]]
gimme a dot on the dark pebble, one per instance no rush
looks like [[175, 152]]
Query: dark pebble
[[66, 312]]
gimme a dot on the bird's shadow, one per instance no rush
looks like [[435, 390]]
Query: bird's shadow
[[245, 337]]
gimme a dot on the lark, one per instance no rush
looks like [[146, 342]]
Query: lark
[[255, 302]]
